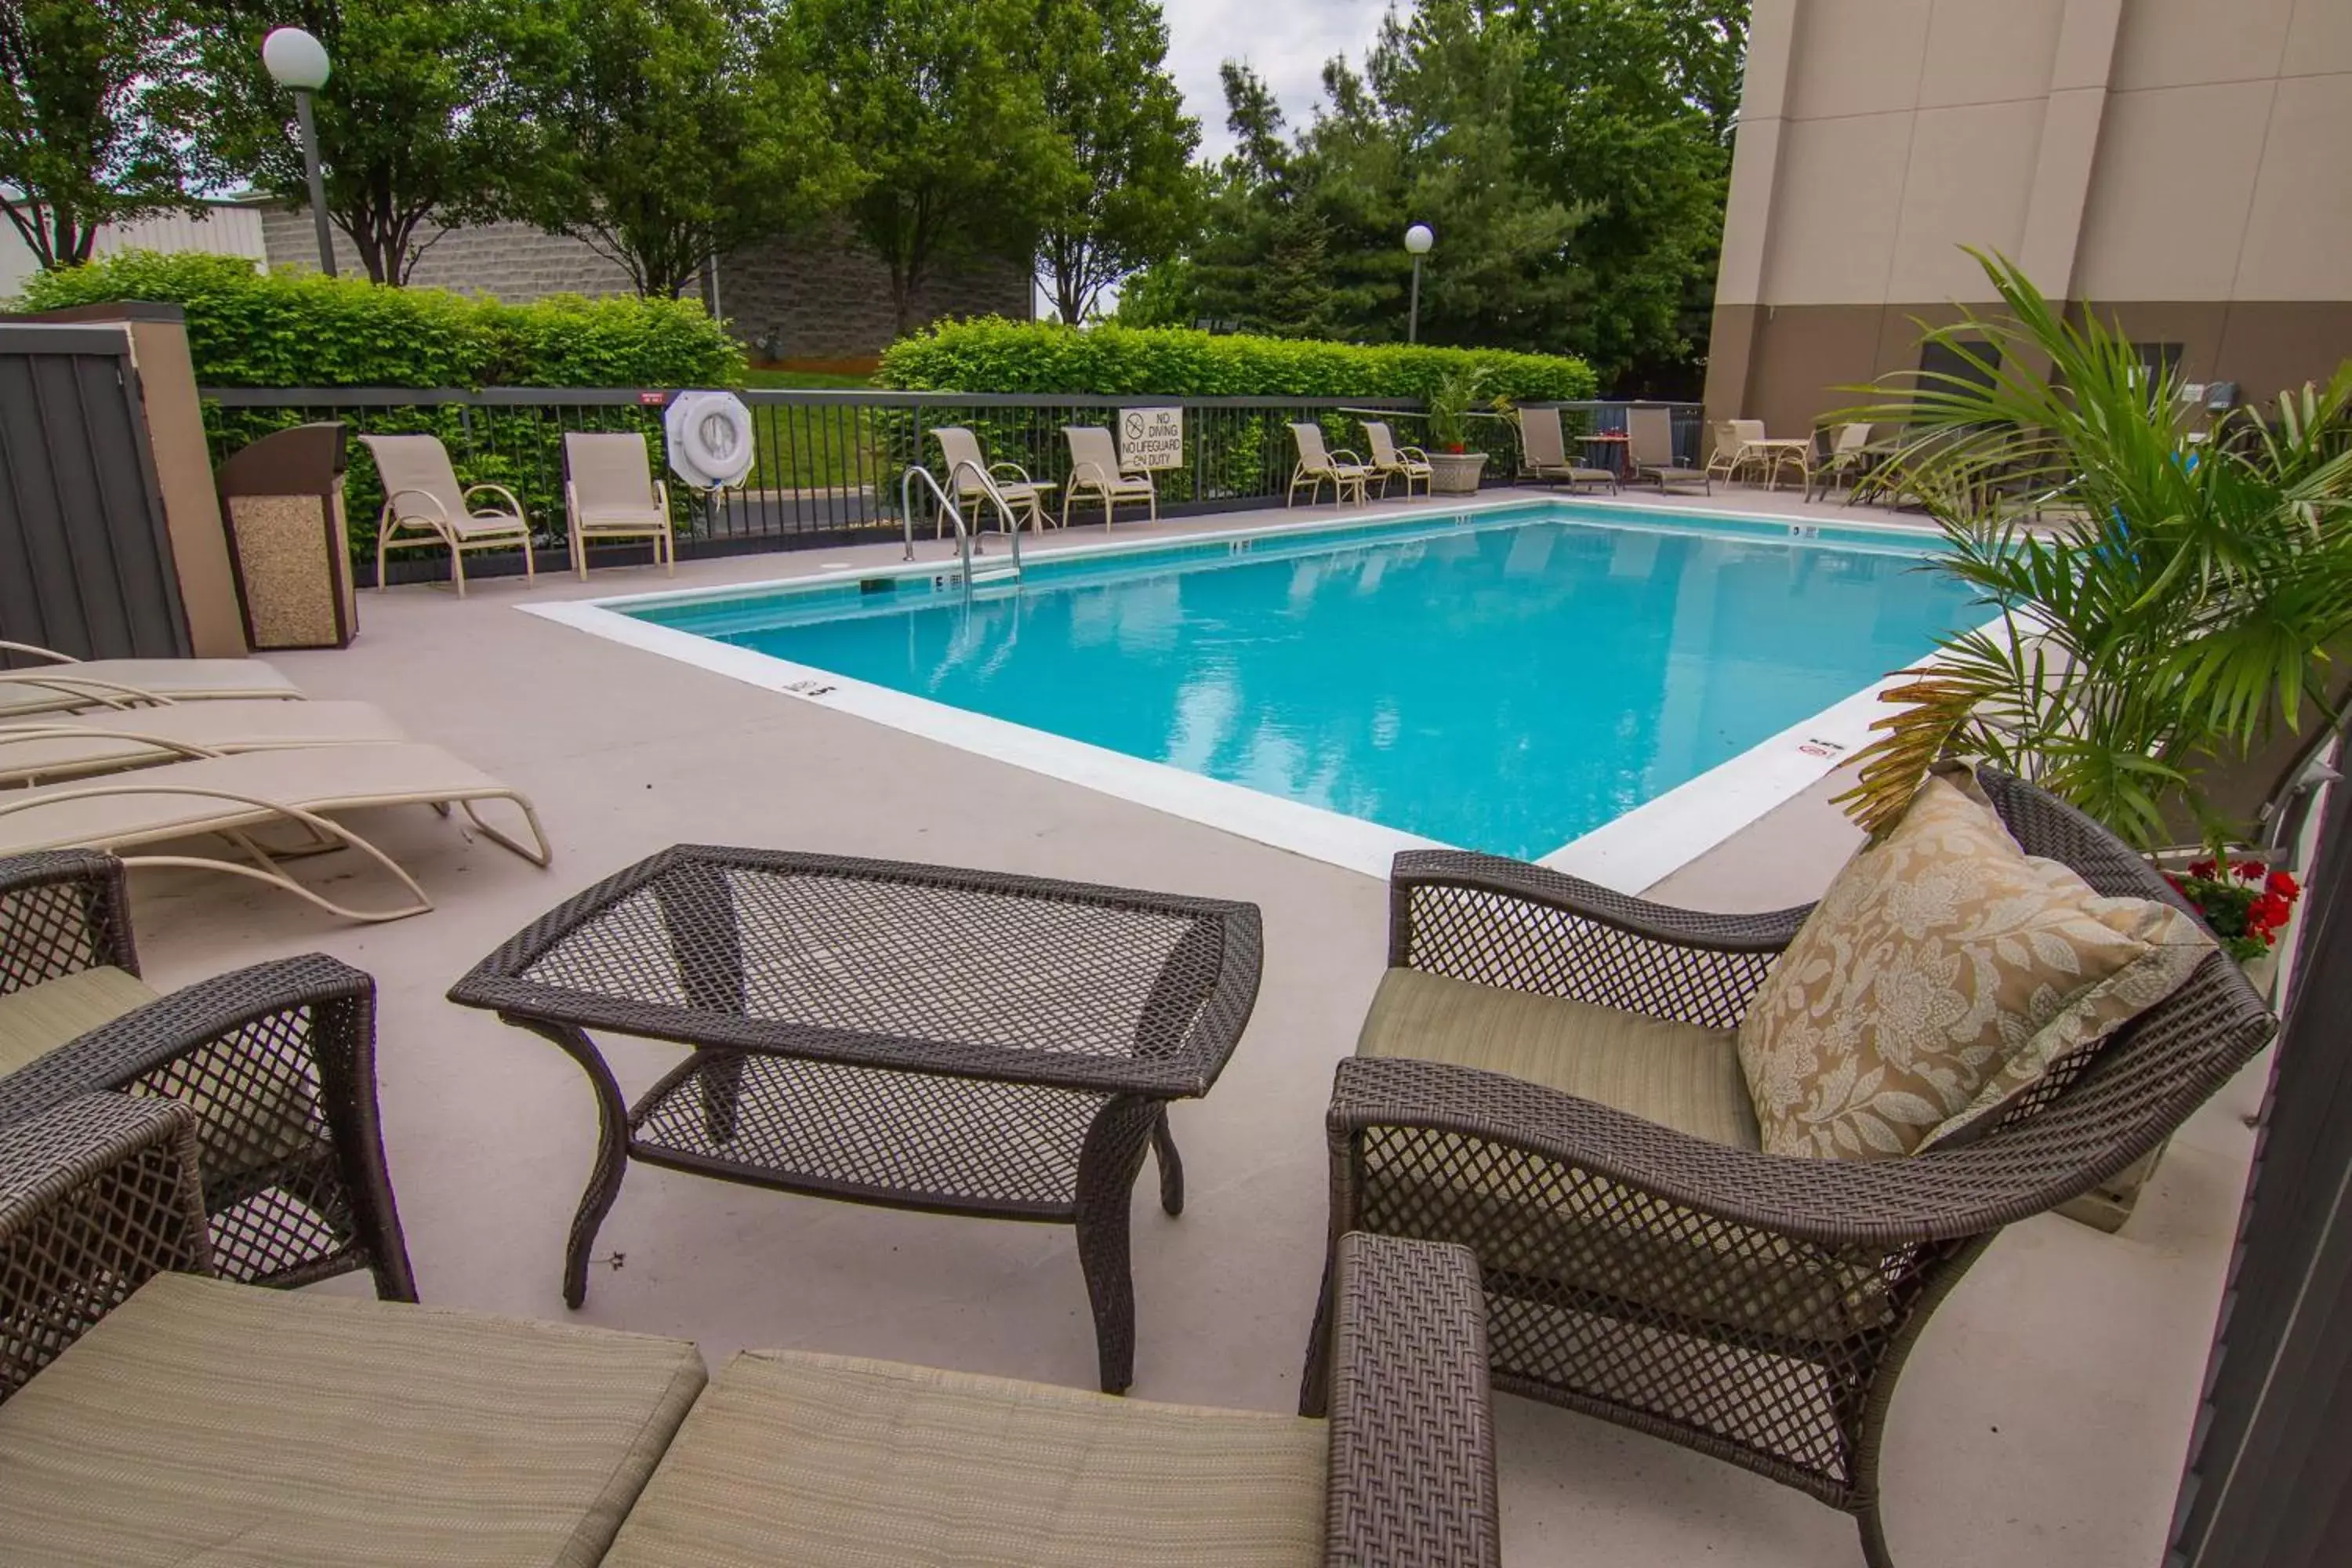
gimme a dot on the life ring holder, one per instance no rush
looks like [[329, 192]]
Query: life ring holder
[[710, 440]]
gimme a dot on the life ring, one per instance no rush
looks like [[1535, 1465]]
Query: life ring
[[710, 440]]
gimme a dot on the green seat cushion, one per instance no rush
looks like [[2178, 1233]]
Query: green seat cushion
[[1558, 1241], [1676, 1075], [39, 1018], [203, 1422], [794, 1461]]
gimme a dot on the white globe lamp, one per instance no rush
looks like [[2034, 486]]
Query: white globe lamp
[[296, 61]]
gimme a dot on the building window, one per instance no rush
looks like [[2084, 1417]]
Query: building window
[[1937, 360]]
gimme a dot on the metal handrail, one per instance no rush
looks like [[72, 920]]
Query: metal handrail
[[966, 546]]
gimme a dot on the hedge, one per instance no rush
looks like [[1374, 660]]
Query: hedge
[[247, 328], [996, 355]]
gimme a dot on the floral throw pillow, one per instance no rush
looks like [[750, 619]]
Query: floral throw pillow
[[1945, 973]]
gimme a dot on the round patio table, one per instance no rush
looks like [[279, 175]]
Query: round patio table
[[921, 1036]]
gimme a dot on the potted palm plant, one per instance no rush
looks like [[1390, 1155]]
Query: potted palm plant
[[1455, 470], [2165, 598]]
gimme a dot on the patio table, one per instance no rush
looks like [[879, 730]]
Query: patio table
[[920, 1036]]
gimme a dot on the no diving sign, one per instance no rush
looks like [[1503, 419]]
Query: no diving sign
[[1151, 438]]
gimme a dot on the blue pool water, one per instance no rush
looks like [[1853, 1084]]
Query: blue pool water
[[1505, 683]]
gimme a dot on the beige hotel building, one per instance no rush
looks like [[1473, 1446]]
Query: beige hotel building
[[2185, 166]]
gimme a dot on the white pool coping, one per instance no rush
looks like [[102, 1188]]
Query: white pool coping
[[1628, 854]]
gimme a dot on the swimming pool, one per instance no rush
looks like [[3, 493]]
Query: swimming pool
[[1506, 681]]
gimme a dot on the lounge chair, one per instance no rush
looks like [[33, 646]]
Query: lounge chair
[[1095, 470], [64, 745], [610, 493], [1392, 461], [276, 1060], [66, 683], [1650, 432], [1544, 452], [1342, 469], [423, 505], [233, 795], [970, 475], [189, 1419]]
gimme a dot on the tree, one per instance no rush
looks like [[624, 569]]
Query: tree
[[85, 137], [1133, 198], [932, 102], [415, 126], [657, 142]]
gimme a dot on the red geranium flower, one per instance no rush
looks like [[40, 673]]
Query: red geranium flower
[[2249, 870], [2267, 913], [2201, 870], [2282, 886]]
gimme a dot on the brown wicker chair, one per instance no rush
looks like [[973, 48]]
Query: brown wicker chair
[[277, 1061], [1754, 1308], [335, 1429]]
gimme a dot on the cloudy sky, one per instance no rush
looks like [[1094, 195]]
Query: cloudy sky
[[1286, 41]]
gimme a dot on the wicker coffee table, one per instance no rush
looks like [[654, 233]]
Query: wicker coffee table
[[955, 1041]]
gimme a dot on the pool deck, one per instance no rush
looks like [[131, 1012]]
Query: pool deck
[[2042, 1419]]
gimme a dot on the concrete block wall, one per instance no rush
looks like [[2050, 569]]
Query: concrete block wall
[[816, 297]]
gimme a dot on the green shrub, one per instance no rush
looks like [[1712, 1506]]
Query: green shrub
[[247, 328], [997, 355]]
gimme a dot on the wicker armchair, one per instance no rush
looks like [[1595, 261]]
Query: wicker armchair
[[277, 1061], [1754, 1308], [195, 1414]]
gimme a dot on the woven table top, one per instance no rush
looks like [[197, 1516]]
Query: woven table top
[[881, 964]]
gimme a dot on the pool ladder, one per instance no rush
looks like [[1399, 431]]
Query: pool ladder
[[967, 546]]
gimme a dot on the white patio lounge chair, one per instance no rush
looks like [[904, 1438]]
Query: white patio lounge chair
[[959, 449], [234, 796], [66, 684], [1738, 447], [1543, 447], [1650, 435], [423, 505], [610, 493], [1392, 461], [68, 745], [1343, 471], [1096, 470]]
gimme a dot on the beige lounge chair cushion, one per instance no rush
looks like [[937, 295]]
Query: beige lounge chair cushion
[[38, 1020], [205, 1423], [236, 725], [806, 1461], [1677, 1075], [1521, 1217], [26, 690], [1943, 975], [322, 779]]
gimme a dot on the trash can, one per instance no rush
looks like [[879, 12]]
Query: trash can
[[282, 503]]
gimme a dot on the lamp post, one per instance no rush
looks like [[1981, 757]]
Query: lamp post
[[296, 59], [1417, 239]]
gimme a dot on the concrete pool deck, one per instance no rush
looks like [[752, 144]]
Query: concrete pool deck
[[2042, 1419]]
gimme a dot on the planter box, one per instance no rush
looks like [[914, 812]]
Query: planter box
[[1456, 473]]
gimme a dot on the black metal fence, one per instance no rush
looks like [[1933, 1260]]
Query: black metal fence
[[828, 462]]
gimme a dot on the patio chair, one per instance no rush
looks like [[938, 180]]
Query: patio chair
[[65, 746], [231, 796], [1650, 435], [1849, 458], [303, 1428], [276, 1062], [1577, 1117], [970, 475], [610, 493], [1096, 470], [1544, 448], [1392, 461], [1343, 471], [425, 506], [1738, 447], [66, 684]]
